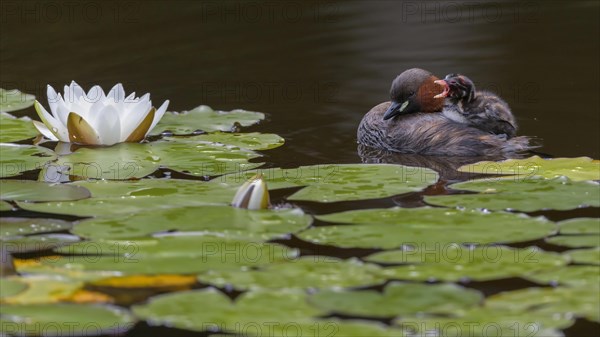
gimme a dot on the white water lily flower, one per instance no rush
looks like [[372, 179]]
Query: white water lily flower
[[97, 118], [253, 194]]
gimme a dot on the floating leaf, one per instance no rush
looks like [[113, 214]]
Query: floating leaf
[[306, 272], [398, 299], [575, 276], [587, 256], [11, 287], [12, 100], [524, 195], [454, 263], [25, 226], [36, 243], [251, 141], [343, 182], [575, 241], [580, 226], [135, 197], [5, 206], [560, 301], [34, 191], [15, 159], [394, 227], [169, 255], [13, 129], [216, 220], [205, 119], [63, 319], [44, 289], [581, 168]]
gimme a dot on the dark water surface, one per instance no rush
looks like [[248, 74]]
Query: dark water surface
[[317, 67]]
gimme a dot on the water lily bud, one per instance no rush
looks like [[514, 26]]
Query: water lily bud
[[96, 118], [253, 194]]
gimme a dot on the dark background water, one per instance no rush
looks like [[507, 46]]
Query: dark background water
[[317, 67]]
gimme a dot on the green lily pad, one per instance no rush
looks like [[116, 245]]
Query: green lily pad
[[580, 226], [15, 159], [62, 319], [216, 220], [343, 182], [560, 301], [11, 287], [34, 191], [190, 254], [575, 241], [205, 119], [394, 227], [251, 313], [251, 141], [25, 226], [13, 129], [12, 100], [36, 243], [586, 256], [398, 299], [5, 206], [575, 276], [306, 272], [455, 263], [133, 197], [44, 289], [484, 322], [524, 195], [577, 169]]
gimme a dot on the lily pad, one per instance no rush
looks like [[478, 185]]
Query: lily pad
[[63, 319], [306, 272], [580, 226], [484, 322], [44, 289], [575, 276], [5, 206], [575, 241], [398, 299], [524, 195], [577, 169], [251, 141], [11, 286], [205, 119], [560, 301], [455, 263], [585, 256], [216, 220], [344, 182], [394, 227], [36, 243], [15, 159], [25, 226], [169, 255], [12, 100], [34, 191], [13, 129], [132, 197]]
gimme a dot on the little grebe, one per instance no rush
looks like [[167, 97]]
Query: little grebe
[[413, 122]]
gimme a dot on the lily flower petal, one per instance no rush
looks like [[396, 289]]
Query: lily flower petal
[[253, 194], [52, 124], [52, 100], [107, 125], [44, 130], [159, 114], [81, 131], [142, 129]]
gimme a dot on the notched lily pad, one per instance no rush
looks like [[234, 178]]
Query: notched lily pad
[[527, 195], [251, 141], [584, 256], [5, 206], [306, 272], [575, 276], [36, 243], [15, 159], [580, 226], [575, 241], [456, 263], [34, 191], [11, 287], [63, 319], [12, 100], [13, 129], [343, 182], [205, 119], [394, 227], [25, 226], [577, 169], [398, 299]]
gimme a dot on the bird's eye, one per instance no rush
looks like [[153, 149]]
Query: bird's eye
[[412, 93]]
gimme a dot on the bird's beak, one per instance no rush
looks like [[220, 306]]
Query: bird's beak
[[446, 91], [395, 109]]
